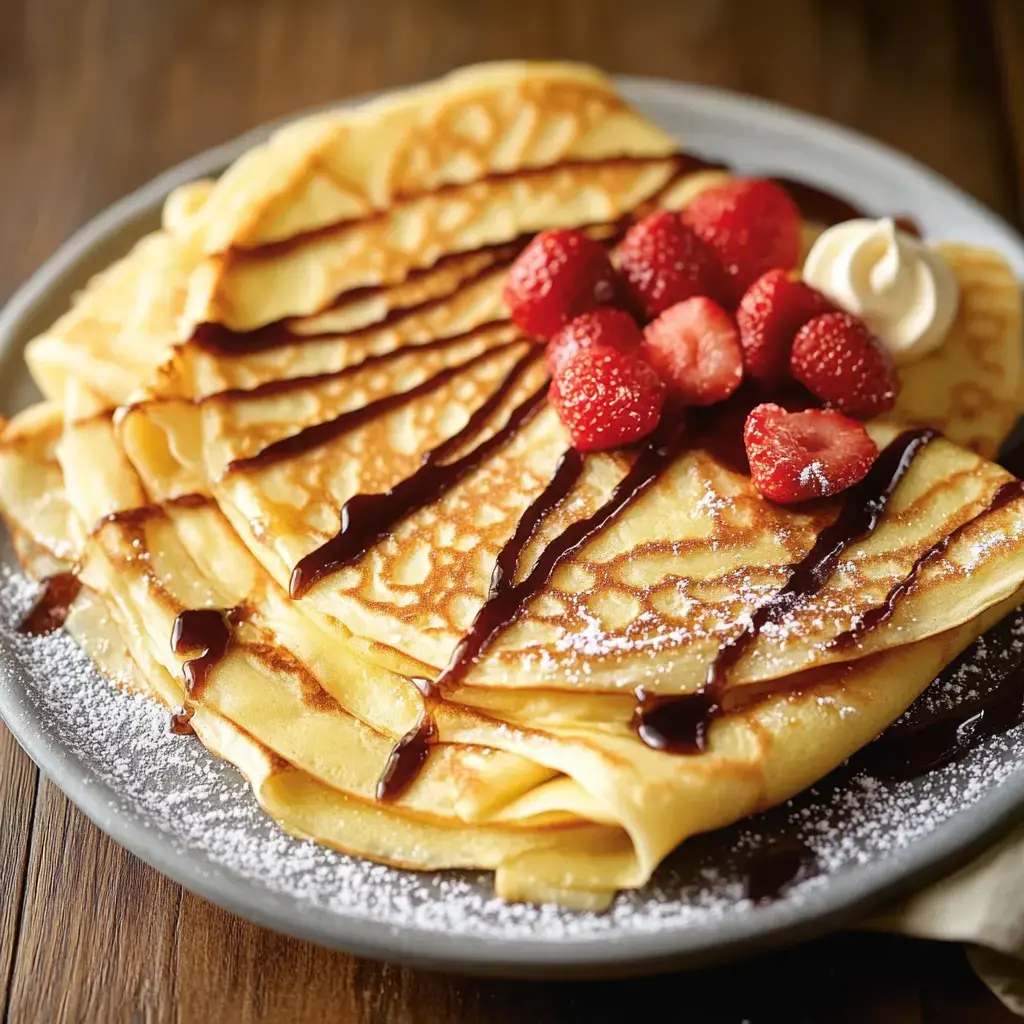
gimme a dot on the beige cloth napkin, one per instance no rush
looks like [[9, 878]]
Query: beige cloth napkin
[[981, 905]]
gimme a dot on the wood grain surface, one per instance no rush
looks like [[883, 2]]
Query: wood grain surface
[[96, 96]]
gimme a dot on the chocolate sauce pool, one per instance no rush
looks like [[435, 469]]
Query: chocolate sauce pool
[[775, 868], [928, 737], [912, 751]]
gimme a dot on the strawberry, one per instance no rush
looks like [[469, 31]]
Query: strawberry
[[695, 347], [844, 364], [559, 275], [770, 313], [795, 456], [605, 327], [663, 262], [606, 398], [752, 224]]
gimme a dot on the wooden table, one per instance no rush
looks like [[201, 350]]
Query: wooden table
[[96, 96]]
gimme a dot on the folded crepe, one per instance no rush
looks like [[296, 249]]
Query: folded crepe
[[289, 438]]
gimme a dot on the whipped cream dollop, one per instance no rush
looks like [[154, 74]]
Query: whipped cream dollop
[[902, 288]]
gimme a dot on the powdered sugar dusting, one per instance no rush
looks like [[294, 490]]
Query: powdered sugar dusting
[[203, 809], [813, 476]]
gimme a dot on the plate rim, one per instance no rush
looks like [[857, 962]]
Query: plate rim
[[848, 894]]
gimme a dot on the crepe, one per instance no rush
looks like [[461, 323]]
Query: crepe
[[976, 376], [122, 326], [571, 812], [325, 323]]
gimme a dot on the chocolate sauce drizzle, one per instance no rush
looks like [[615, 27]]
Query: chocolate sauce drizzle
[[132, 518], [410, 753], [283, 385], [206, 630], [425, 686], [221, 340], [502, 599], [369, 518], [505, 597], [407, 758], [874, 617], [51, 607], [680, 723], [684, 162], [322, 433], [676, 723]]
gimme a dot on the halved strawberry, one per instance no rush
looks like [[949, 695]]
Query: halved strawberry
[[606, 398], [605, 327], [795, 456], [695, 347], [770, 313], [663, 262], [752, 224], [559, 275], [844, 364]]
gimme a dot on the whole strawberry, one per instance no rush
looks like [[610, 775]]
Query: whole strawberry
[[558, 276], [752, 224], [796, 456], [844, 364], [606, 398], [605, 327], [695, 347], [662, 262], [770, 313]]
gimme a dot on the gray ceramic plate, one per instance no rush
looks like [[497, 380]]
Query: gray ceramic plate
[[192, 817]]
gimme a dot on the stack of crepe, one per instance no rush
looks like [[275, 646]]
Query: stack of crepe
[[317, 324]]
